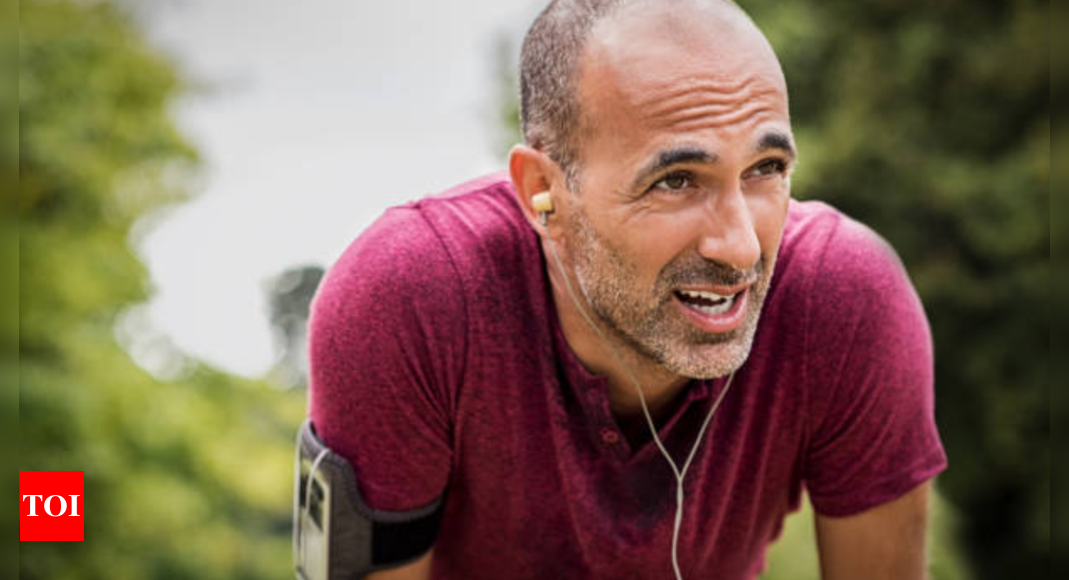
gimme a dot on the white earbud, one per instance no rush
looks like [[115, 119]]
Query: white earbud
[[543, 205]]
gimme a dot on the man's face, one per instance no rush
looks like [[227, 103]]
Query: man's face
[[685, 154]]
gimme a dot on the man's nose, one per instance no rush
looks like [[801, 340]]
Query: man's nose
[[729, 235]]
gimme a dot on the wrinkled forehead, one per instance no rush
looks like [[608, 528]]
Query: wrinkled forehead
[[652, 58]]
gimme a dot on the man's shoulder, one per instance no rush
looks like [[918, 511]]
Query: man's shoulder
[[475, 215], [845, 274], [834, 271], [419, 265], [811, 226], [472, 213], [821, 242], [489, 186], [466, 238], [482, 206], [481, 226]]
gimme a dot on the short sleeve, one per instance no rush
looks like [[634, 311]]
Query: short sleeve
[[873, 435], [386, 350]]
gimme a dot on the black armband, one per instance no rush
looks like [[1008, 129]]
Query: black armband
[[336, 536]]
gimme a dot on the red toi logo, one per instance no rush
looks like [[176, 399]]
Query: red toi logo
[[52, 506]]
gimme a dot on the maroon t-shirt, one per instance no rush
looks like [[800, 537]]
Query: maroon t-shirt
[[438, 367]]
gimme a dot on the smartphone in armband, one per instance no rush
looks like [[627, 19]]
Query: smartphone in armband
[[336, 535]]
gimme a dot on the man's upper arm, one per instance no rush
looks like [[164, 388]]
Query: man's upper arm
[[873, 446], [386, 354], [886, 542], [872, 435]]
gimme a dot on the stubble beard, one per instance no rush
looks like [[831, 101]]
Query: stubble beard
[[648, 322]]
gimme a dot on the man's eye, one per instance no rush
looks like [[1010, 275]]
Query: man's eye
[[769, 167], [674, 181]]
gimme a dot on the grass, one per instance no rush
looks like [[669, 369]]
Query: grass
[[794, 555]]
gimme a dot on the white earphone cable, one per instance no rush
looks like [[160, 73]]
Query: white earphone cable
[[679, 473]]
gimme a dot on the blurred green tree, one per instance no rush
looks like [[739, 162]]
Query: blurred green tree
[[9, 256], [1060, 259], [184, 478], [930, 122]]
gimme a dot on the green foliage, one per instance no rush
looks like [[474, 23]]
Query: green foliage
[[184, 479], [95, 146], [1060, 286], [931, 123]]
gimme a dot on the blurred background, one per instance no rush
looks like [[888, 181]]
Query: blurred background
[[188, 169]]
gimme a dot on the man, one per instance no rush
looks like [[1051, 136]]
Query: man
[[500, 356]]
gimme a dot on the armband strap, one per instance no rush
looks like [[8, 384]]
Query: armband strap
[[336, 536]]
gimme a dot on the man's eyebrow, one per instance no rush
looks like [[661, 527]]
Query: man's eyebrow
[[776, 140], [669, 157]]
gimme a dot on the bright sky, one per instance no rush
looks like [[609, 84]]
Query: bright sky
[[320, 115]]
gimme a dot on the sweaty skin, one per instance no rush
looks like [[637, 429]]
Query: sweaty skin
[[706, 94]]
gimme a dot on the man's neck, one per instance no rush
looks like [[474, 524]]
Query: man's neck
[[659, 386]]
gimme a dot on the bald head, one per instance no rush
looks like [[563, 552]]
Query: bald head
[[558, 48]]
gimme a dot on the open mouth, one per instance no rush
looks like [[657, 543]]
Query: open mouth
[[709, 303]]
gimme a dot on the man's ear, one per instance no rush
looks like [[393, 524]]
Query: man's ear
[[534, 173]]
